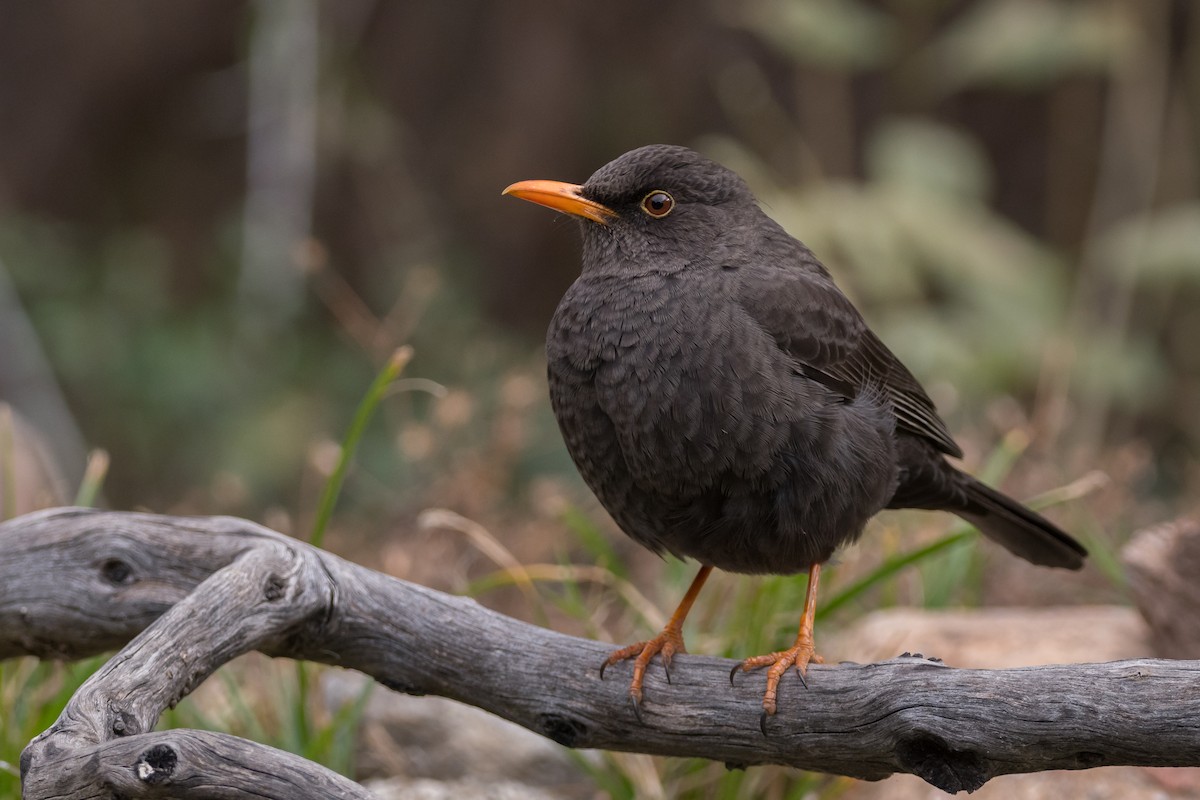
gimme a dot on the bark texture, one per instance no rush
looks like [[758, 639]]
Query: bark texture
[[182, 596]]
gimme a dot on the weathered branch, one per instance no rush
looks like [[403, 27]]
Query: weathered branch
[[77, 582], [186, 765]]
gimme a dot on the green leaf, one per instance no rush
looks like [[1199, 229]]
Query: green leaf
[[1130, 369], [1029, 43], [1161, 247], [922, 155], [844, 34]]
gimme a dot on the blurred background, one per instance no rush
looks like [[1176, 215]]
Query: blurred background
[[218, 220]]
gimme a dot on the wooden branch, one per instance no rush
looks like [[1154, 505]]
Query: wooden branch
[[186, 765], [74, 582]]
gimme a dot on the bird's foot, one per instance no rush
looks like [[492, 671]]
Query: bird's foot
[[799, 655], [666, 645]]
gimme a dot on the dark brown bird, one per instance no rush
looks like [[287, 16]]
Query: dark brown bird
[[727, 403]]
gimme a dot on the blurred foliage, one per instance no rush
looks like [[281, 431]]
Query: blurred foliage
[[916, 242], [1031, 43], [1007, 188], [1159, 249], [867, 128], [32, 694], [841, 34]]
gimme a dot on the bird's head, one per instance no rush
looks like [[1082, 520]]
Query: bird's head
[[658, 206]]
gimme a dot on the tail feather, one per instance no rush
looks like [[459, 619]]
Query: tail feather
[[1018, 529]]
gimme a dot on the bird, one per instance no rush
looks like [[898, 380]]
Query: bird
[[726, 402]]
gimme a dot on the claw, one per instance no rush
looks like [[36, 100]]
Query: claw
[[733, 672], [799, 655], [635, 701], [666, 644]]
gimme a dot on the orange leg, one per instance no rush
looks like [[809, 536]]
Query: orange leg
[[799, 655], [668, 643]]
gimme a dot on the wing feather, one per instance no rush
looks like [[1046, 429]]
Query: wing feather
[[810, 318]]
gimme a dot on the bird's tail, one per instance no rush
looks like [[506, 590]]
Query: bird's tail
[[1020, 530]]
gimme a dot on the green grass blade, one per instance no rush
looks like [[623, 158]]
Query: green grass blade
[[594, 541], [999, 463], [344, 728], [1003, 457], [8, 472], [93, 478], [299, 707], [362, 416], [889, 568]]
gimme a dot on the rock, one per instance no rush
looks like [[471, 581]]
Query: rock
[[1162, 563], [994, 638], [429, 789], [448, 742]]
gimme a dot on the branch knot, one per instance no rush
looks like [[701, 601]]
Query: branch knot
[[155, 765]]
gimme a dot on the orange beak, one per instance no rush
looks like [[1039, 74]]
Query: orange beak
[[561, 197]]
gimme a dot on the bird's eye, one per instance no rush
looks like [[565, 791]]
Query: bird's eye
[[658, 204]]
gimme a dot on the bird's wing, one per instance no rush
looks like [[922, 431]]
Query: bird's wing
[[810, 318]]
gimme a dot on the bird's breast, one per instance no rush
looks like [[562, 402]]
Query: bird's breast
[[701, 436], [686, 388]]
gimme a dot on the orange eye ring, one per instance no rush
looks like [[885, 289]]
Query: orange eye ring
[[658, 203]]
